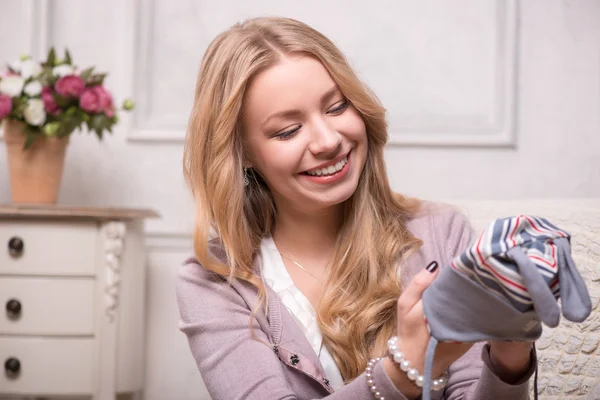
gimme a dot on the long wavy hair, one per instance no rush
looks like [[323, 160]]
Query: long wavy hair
[[357, 311]]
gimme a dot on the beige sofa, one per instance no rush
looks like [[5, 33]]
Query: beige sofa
[[569, 355]]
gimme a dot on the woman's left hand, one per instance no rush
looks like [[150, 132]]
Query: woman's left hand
[[511, 359]]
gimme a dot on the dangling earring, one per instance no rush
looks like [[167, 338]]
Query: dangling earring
[[246, 180]]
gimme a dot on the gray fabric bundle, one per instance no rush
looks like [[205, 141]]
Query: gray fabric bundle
[[504, 287]]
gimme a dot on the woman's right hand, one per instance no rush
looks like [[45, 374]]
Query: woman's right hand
[[413, 335]]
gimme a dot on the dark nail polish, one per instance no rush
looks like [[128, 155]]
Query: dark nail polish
[[432, 267]]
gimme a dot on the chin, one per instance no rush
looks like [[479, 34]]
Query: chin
[[335, 199]]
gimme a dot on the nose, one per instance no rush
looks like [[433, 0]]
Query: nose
[[325, 140]]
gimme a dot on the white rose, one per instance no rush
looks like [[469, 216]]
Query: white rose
[[16, 66], [12, 85], [34, 112], [62, 70], [33, 88], [30, 68]]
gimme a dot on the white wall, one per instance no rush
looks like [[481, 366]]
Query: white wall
[[487, 100]]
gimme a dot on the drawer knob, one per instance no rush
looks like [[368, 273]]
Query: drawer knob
[[13, 308], [15, 246], [12, 367]]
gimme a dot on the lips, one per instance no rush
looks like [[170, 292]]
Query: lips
[[330, 167]]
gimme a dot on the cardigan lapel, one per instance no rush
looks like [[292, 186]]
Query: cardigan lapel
[[288, 341], [290, 344]]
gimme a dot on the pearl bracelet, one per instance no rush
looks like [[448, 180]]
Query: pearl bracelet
[[397, 356], [370, 382]]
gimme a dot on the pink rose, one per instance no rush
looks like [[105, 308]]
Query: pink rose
[[49, 104], [5, 105], [96, 99], [70, 85]]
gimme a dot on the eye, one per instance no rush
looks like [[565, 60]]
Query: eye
[[339, 108], [288, 134]]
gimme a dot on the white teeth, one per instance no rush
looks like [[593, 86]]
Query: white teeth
[[332, 169]]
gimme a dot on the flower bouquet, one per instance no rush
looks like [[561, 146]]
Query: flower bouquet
[[41, 105]]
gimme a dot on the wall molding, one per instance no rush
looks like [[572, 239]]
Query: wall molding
[[180, 240], [500, 131], [146, 127], [40, 38], [168, 241], [39, 30], [161, 136]]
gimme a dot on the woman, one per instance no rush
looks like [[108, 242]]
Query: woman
[[315, 263]]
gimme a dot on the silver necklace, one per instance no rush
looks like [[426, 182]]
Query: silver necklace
[[301, 267]]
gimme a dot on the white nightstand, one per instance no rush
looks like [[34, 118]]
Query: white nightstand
[[72, 286]]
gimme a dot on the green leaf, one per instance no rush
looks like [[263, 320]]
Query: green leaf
[[85, 75], [97, 79], [98, 123], [19, 105], [71, 111], [47, 78], [29, 140], [68, 57], [62, 101], [68, 124], [51, 57], [53, 80]]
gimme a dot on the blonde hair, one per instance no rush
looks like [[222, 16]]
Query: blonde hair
[[357, 312]]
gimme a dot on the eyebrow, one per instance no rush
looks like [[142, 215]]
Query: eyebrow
[[295, 112]]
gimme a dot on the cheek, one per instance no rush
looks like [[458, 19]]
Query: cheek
[[277, 161], [352, 126]]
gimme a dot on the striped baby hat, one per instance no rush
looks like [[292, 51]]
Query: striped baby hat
[[505, 286]]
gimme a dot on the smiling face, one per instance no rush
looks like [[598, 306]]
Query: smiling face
[[303, 136]]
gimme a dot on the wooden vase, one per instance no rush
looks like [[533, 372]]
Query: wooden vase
[[35, 173]]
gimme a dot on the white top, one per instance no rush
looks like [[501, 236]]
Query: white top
[[277, 277]]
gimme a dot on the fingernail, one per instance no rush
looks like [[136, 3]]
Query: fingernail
[[432, 267]]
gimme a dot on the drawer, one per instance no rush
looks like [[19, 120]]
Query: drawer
[[47, 366], [47, 247], [47, 306]]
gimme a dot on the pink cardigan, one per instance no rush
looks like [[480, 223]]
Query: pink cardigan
[[279, 363]]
